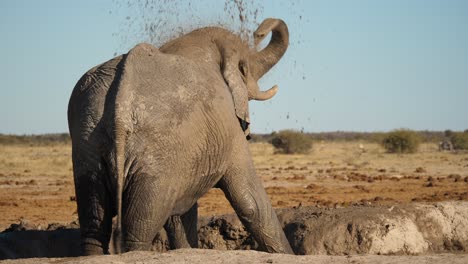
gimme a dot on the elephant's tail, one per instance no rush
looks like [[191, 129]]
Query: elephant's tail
[[120, 138], [122, 128]]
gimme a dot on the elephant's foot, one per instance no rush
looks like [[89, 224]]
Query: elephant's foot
[[136, 245], [182, 230], [176, 233], [93, 247]]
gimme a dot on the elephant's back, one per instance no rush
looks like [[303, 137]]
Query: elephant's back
[[159, 91], [168, 90]]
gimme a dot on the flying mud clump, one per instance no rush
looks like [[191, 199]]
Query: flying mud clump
[[157, 21]]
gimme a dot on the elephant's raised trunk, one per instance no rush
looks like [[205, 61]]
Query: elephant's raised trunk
[[264, 60]]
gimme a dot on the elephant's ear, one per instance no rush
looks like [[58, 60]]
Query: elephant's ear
[[233, 78]]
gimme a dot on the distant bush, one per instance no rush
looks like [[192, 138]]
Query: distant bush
[[459, 140], [291, 142], [448, 133], [349, 136], [401, 141]]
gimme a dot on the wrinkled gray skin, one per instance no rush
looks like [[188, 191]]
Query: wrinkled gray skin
[[153, 130]]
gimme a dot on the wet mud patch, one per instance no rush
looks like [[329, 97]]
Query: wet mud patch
[[409, 229]]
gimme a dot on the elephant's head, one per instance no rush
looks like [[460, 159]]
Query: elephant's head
[[243, 70]]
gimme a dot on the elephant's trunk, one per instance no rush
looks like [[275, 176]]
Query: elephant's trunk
[[262, 61]]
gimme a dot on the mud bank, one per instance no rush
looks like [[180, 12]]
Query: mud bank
[[410, 229], [402, 229]]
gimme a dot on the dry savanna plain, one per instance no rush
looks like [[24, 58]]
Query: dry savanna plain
[[36, 181], [343, 202]]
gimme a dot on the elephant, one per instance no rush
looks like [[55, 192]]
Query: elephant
[[154, 129]]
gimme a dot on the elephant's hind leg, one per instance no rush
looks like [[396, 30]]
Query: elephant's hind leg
[[94, 210], [182, 230], [190, 222]]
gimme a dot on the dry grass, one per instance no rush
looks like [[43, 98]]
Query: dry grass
[[36, 183]]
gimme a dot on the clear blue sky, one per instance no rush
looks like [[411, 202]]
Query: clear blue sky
[[352, 65]]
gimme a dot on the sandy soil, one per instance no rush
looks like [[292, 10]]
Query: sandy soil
[[36, 182]]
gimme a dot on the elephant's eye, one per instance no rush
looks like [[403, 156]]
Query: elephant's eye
[[243, 68]]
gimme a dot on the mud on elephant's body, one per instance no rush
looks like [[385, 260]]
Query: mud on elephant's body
[[154, 129]]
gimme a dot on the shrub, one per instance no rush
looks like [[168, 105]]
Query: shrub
[[401, 141], [459, 140], [291, 142], [448, 133]]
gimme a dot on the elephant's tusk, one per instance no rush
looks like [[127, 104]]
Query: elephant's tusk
[[265, 95]]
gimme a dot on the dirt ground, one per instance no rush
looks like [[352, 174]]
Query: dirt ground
[[204, 256], [36, 182]]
